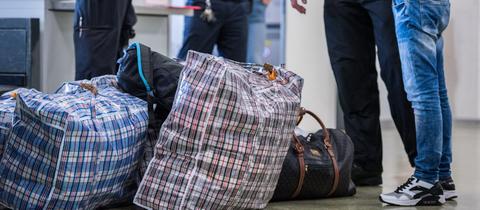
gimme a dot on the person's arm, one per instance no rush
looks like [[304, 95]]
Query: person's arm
[[266, 2], [299, 7]]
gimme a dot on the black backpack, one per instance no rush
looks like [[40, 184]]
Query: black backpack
[[150, 76]]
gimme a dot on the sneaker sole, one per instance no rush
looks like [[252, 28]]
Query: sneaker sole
[[425, 201], [450, 194]]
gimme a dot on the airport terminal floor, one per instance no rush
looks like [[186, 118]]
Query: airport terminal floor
[[466, 169]]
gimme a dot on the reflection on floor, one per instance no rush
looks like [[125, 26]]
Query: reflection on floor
[[466, 173]]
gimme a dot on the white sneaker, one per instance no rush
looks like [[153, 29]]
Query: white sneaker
[[415, 193]]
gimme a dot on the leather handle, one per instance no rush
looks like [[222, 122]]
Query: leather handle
[[328, 145], [301, 164]]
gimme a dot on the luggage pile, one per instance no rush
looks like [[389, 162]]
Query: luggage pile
[[210, 134]]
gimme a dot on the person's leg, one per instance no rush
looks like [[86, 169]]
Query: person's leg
[[419, 27], [445, 171], [445, 174], [202, 35], [418, 51], [129, 19], [391, 72], [256, 42], [187, 20], [351, 48], [97, 29], [233, 37]]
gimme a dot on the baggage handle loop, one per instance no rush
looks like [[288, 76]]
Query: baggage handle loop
[[94, 91], [328, 146]]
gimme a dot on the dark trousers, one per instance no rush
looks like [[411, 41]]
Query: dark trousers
[[228, 32], [101, 30], [353, 29]]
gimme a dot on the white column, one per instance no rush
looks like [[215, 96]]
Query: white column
[[306, 53]]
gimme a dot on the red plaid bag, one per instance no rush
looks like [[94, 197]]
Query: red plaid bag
[[224, 142]]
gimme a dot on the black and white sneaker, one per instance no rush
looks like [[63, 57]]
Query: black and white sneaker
[[415, 193], [449, 189]]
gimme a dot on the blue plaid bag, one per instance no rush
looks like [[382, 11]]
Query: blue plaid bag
[[80, 149], [7, 106]]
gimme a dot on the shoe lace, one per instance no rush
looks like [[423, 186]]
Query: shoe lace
[[405, 185]]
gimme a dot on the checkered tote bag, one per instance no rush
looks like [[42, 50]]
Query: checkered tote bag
[[73, 151], [7, 106], [109, 81], [224, 142]]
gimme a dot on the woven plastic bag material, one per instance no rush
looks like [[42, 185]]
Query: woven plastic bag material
[[7, 106], [224, 142], [73, 151], [111, 81], [101, 82]]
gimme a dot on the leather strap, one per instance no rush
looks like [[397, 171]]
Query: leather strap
[[328, 146], [301, 163]]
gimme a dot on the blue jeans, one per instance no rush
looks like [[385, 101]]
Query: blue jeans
[[419, 25]]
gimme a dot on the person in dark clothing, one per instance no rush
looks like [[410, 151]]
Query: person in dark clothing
[[354, 30], [220, 22], [102, 29]]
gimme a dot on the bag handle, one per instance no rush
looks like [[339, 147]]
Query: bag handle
[[94, 91], [328, 146]]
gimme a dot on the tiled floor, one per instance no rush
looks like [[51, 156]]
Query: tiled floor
[[466, 172]]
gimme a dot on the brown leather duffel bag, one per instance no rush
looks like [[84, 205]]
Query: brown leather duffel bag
[[317, 166]]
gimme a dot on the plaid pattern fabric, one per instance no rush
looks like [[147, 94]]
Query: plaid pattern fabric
[[99, 82], [224, 142], [109, 81], [151, 140], [7, 106], [73, 151]]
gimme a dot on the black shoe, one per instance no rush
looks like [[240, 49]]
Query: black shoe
[[449, 188], [362, 177], [415, 193]]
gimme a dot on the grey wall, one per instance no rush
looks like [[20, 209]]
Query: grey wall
[[306, 53]]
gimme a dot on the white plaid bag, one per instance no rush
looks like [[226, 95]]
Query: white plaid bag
[[73, 151], [224, 142]]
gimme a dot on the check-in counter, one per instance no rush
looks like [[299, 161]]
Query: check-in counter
[[58, 57]]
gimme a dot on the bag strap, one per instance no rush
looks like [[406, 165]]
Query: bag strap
[[94, 91], [144, 66], [299, 149], [145, 71], [328, 145]]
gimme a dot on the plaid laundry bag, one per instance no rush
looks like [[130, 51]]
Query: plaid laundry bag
[[7, 106], [73, 151], [101, 82], [224, 142], [111, 81]]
